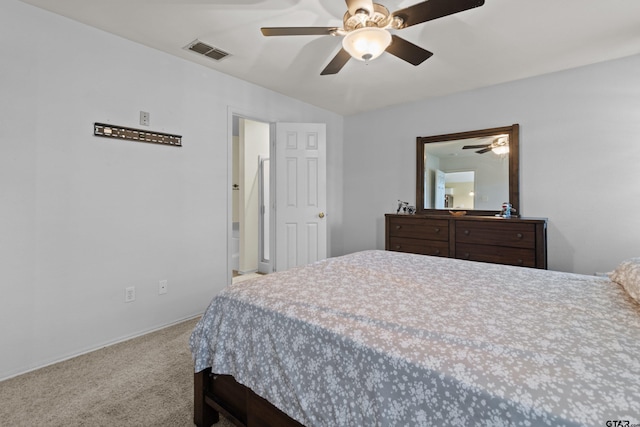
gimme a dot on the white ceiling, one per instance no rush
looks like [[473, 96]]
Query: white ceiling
[[503, 40]]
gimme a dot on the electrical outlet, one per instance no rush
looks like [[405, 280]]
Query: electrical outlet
[[130, 294], [144, 118], [162, 287]]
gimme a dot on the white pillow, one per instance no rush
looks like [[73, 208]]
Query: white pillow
[[627, 274]]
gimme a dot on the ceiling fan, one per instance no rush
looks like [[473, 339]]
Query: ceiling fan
[[366, 28], [499, 145]]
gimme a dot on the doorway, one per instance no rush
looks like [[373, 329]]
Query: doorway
[[460, 190], [454, 190], [250, 198], [297, 235]]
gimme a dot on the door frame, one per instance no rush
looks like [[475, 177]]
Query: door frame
[[265, 265], [231, 112]]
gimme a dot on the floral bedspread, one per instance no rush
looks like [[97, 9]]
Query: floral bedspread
[[382, 338]]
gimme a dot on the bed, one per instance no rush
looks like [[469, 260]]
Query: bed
[[379, 338]]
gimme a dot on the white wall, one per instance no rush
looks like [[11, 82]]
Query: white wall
[[235, 179], [254, 143], [579, 140], [83, 217]]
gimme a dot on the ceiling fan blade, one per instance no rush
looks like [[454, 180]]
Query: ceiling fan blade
[[407, 51], [433, 9], [466, 147], [486, 150], [297, 31], [355, 5], [336, 63]]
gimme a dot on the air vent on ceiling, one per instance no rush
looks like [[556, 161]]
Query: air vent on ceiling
[[206, 50]]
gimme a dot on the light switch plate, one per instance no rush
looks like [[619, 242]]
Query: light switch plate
[[144, 118]]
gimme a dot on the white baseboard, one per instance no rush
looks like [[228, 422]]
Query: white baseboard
[[101, 346]]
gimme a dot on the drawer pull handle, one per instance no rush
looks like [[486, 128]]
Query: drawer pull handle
[[398, 227], [467, 232], [437, 230], [398, 246], [519, 235], [520, 262], [466, 255], [437, 252]]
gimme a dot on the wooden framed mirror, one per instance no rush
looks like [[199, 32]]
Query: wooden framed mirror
[[475, 171]]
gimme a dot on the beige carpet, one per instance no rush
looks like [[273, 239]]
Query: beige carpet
[[146, 381], [243, 277]]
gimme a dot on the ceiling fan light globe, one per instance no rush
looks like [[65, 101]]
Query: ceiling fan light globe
[[365, 44], [500, 150]]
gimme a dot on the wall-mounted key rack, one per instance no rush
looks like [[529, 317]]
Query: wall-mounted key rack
[[131, 134]]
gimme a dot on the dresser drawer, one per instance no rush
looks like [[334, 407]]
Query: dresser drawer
[[417, 246], [501, 233], [497, 254], [419, 228]]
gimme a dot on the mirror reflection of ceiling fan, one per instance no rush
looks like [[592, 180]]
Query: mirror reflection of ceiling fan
[[499, 145], [366, 30]]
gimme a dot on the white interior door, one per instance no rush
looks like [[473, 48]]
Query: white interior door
[[301, 194], [439, 187]]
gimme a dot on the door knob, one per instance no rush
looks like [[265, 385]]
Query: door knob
[[321, 214]]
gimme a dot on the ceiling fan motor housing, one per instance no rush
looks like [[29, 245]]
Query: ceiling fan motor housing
[[362, 18]]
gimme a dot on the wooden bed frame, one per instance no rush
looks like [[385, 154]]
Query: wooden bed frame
[[222, 394]]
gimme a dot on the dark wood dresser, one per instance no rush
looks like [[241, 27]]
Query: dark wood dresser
[[513, 241]]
